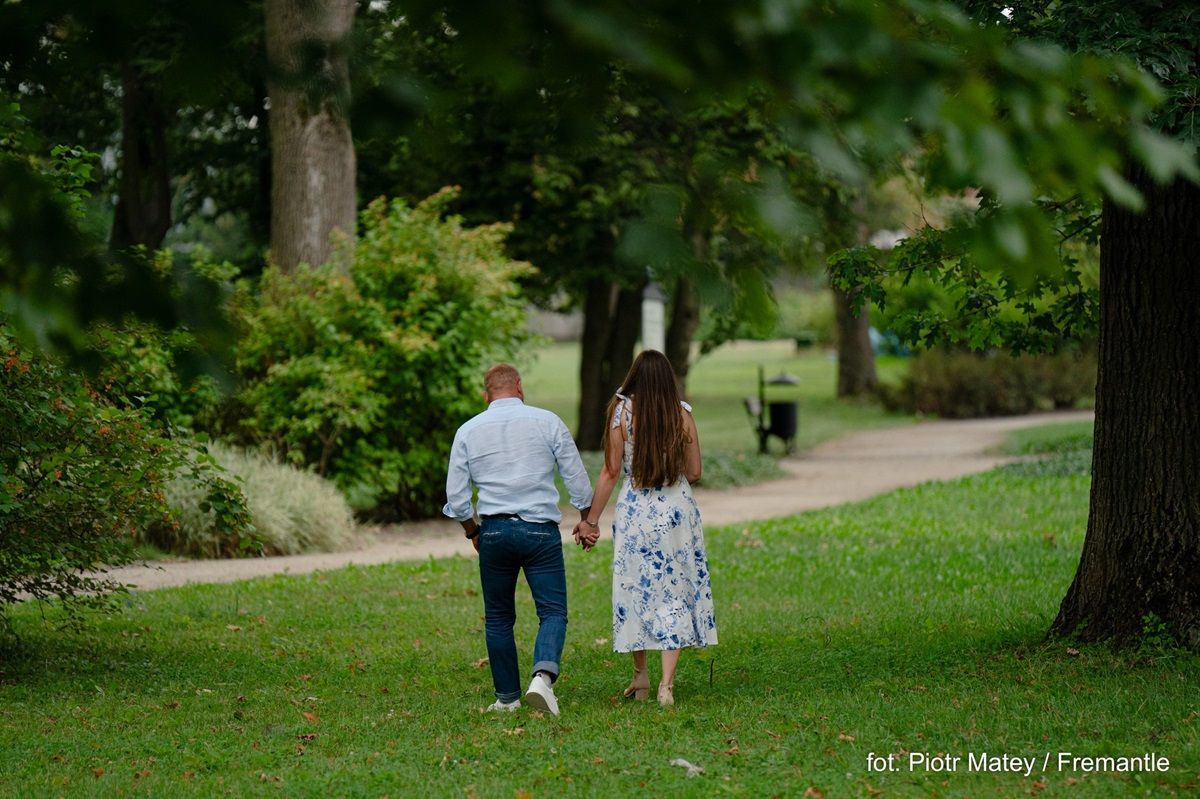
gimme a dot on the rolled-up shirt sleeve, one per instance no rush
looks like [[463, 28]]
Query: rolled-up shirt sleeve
[[458, 483], [570, 466]]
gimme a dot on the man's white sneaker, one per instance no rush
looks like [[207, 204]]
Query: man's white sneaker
[[540, 695], [507, 706]]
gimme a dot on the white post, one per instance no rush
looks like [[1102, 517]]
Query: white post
[[654, 336]]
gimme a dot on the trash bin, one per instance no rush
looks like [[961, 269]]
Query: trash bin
[[779, 418], [783, 418]]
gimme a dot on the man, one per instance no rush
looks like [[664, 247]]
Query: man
[[509, 452]]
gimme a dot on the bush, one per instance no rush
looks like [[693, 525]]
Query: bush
[[291, 511], [365, 376], [139, 368], [964, 385], [79, 480]]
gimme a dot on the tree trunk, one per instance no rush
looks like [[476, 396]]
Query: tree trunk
[[855, 357], [1141, 557], [260, 210], [611, 324], [597, 322], [685, 319], [312, 153], [143, 212]]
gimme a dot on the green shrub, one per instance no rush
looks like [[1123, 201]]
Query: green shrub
[[365, 376], [964, 385], [291, 511], [79, 479], [139, 368]]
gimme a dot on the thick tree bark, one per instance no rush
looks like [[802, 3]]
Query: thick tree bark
[[611, 324], [143, 212], [1141, 555], [856, 358], [312, 153], [597, 322], [681, 332]]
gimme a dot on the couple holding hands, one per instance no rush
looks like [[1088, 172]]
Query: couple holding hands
[[661, 594]]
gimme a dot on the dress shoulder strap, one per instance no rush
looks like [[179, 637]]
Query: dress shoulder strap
[[619, 411], [686, 407]]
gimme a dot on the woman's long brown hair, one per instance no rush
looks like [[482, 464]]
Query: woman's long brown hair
[[660, 441]]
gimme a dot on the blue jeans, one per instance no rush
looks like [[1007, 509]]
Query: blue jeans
[[505, 547]]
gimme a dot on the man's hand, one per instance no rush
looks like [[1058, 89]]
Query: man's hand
[[472, 530]]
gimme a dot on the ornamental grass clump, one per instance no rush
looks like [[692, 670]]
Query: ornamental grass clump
[[292, 511]]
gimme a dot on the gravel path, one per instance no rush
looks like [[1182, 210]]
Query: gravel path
[[847, 469]]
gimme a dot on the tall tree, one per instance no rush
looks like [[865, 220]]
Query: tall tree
[[1140, 565], [312, 151], [143, 212], [1141, 558]]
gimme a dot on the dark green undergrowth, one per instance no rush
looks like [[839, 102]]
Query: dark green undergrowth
[[909, 623]]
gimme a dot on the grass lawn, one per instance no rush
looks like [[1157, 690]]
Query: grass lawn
[[911, 623], [719, 381]]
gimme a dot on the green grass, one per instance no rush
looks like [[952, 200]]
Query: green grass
[[717, 384], [1064, 449], [913, 622], [1049, 438]]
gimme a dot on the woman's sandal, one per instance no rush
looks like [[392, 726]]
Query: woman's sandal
[[638, 689]]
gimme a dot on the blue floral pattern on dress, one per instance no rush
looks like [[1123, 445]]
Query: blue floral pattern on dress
[[662, 597]]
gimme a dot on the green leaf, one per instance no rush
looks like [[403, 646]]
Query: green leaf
[[1163, 156], [1121, 190]]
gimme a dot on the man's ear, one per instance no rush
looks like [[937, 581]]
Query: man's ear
[[520, 389]]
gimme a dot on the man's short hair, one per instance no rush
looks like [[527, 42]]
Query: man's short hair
[[501, 377]]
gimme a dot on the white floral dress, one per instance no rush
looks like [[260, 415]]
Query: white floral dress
[[662, 598]]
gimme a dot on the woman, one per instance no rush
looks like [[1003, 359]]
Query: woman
[[661, 593]]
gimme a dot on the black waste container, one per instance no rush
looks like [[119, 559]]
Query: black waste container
[[782, 418]]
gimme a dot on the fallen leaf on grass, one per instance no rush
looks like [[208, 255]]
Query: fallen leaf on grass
[[308, 736], [97, 773], [515, 731], [692, 769], [601, 641], [479, 664], [814, 793], [187, 775], [233, 628], [844, 737], [774, 735], [313, 718], [522, 794], [137, 775], [1072, 651], [597, 761], [356, 665]]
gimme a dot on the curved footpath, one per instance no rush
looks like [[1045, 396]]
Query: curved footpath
[[847, 469]]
